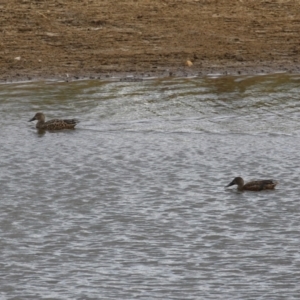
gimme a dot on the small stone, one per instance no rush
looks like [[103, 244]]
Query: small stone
[[188, 63]]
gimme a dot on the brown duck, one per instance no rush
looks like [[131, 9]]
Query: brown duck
[[257, 185], [55, 124]]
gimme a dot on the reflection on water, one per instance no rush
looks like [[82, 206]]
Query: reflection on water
[[132, 203]]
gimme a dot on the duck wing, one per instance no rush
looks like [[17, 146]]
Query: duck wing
[[260, 185], [57, 124], [71, 121]]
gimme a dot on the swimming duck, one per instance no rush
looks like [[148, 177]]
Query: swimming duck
[[55, 124], [257, 185]]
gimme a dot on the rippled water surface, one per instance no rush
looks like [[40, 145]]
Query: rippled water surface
[[132, 204]]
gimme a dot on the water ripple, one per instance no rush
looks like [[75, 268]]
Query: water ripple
[[132, 203]]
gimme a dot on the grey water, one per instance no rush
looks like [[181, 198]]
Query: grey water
[[132, 205]]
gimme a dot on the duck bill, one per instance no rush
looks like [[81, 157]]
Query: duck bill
[[230, 184], [32, 119]]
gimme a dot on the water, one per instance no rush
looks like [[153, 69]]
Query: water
[[132, 205]]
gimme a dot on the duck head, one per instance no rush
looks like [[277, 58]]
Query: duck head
[[38, 116], [237, 180]]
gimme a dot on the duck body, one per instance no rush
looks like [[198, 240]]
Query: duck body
[[56, 124], [257, 185]]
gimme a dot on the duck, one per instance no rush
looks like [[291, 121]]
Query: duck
[[257, 185], [55, 124]]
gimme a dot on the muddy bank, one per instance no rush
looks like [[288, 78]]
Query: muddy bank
[[60, 39]]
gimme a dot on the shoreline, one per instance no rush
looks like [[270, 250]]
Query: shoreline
[[182, 72]]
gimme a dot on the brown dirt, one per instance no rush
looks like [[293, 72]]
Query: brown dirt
[[44, 39]]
